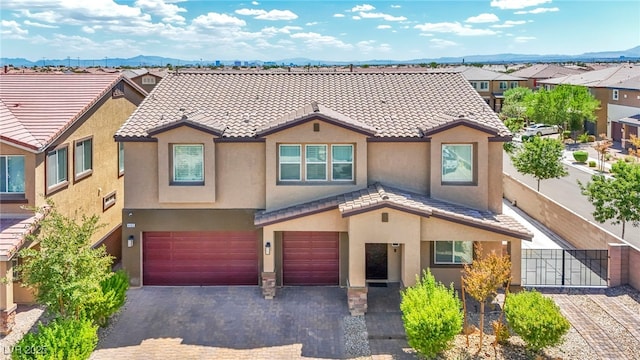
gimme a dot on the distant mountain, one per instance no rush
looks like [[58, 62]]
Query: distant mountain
[[632, 54]]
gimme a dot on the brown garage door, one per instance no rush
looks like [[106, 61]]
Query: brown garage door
[[310, 258], [200, 258]]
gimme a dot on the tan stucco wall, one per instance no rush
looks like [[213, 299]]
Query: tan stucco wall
[[603, 95], [475, 196], [183, 194], [402, 228], [8, 208], [138, 221], [86, 195], [278, 196], [433, 229], [238, 168], [404, 165]]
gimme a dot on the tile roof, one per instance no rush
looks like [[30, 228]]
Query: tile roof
[[377, 196], [14, 232], [631, 84], [545, 71], [395, 104], [609, 77], [473, 73], [38, 107]]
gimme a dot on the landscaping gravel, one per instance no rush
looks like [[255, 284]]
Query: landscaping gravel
[[356, 337], [26, 318]]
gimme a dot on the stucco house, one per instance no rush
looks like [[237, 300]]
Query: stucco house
[[491, 85], [345, 179], [538, 72], [623, 110], [56, 143]]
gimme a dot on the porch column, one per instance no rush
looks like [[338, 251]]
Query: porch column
[[7, 306], [410, 266], [516, 262], [268, 275], [357, 287]]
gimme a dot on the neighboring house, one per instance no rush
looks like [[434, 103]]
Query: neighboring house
[[312, 179], [623, 110], [56, 143], [144, 78], [491, 85], [602, 84], [537, 72]]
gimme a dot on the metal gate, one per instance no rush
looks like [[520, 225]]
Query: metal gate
[[568, 268]]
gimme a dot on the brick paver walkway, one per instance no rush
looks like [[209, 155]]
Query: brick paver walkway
[[620, 312]]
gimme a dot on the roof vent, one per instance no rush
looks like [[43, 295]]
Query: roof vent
[[314, 106]]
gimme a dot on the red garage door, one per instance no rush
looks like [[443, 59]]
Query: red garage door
[[310, 258], [200, 258]]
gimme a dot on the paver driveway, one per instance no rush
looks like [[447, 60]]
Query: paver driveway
[[227, 322]]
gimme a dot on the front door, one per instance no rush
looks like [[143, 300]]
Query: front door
[[376, 261]]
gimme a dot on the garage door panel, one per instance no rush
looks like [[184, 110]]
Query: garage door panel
[[310, 258], [200, 258]]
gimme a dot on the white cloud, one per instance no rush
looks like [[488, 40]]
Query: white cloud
[[212, 20], [363, 7], [396, 6], [455, 28], [517, 4], [255, 3], [88, 29], [268, 15], [12, 30], [509, 23], [311, 23], [35, 24], [383, 27], [168, 12], [441, 43], [483, 18], [386, 17], [524, 39], [356, 17], [537, 11], [315, 40], [270, 31], [338, 15], [368, 46]]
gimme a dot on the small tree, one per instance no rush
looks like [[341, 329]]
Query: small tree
[[536, 319], [65, 271], [602, 147], [616, 198], [567, 106], [484, 277], [431, 315], [540, 157]]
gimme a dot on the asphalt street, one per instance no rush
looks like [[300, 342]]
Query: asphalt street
[[567, 192]]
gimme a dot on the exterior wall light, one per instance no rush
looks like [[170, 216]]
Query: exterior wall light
[[267, 248], [130, 241]]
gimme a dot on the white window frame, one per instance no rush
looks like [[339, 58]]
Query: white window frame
[[484, 85], [474, 84], [79, 158], [120, 158], [453, 253], [616, 94], [7, 178], [503, 85], [58, 180], [514, 84], [280, 162], [334, 161], [472, 164], [307, 162], [174, 163], [148, 80]]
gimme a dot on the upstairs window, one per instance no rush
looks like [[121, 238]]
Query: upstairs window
[[148, 80], [56, 168], [484, 85], [453, 252], [83, 158], [120, 158], [188, 164], [514, 84], [458, 164], [11, 174], [316, 162], [503, 85], [290, 163], [342, 162], [615, 94]]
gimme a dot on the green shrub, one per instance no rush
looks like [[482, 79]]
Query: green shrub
[[583, 138], [61, 339], [110, 299], [607, 156], [501, 332], [591, 138], [566, 134], [629, 159], [431, 314], [580, 156], [536, 319], [592, 163]]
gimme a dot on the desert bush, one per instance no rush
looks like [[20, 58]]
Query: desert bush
[[501, 332], [583, 138], [431, 314], [591, 138], [110, 300], [536, 319], [566, 134], [580, 156], [592, 163], [61, 339]]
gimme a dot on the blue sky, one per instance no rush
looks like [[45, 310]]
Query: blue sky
[[322, 30]]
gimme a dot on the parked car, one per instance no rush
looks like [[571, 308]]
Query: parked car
[[541, 129]]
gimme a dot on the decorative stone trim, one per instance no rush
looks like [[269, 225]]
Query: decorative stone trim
[[357, 300], [7, 320], [269, 285]]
